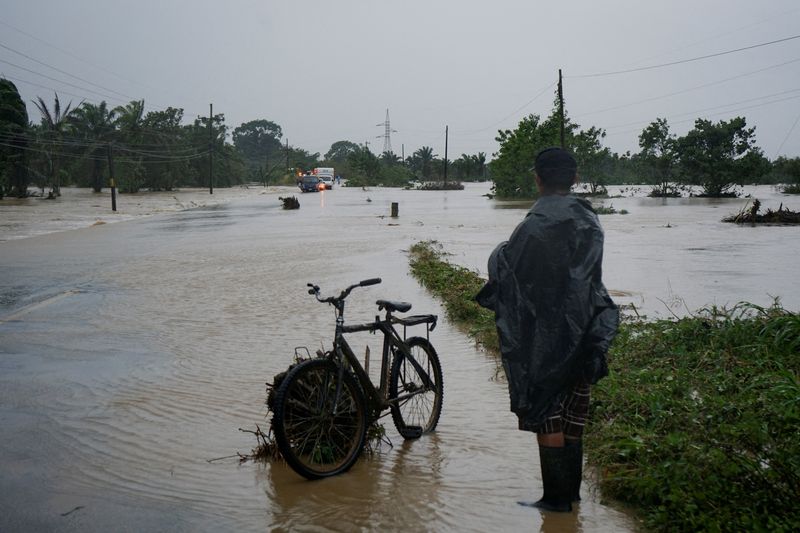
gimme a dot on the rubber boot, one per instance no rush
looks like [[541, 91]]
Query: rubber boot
[[575, 461], [556, 479]]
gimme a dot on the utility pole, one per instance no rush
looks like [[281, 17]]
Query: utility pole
[[561, 108], [210, 149], [287, 154], [446, 129], [266, 165], [111, 177]]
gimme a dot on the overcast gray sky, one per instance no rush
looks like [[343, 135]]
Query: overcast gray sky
[[328, 70]]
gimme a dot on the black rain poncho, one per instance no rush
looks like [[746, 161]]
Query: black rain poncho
[[554, 317]]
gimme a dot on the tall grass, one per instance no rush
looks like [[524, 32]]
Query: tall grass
[[698, 425]]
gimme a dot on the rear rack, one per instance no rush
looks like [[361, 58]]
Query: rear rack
[[414, 320]]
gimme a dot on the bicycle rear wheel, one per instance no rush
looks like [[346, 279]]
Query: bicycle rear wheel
[[416, 401], [320, 421]]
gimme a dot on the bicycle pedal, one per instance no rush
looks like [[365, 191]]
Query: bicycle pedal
[[411, 432]]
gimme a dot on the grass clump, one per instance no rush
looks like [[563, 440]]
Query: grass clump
[[456, 287], [696, 427]]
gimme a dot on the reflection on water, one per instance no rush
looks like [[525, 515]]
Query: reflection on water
[[132, 353]]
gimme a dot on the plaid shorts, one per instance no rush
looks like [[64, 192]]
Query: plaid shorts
[[570, 417]]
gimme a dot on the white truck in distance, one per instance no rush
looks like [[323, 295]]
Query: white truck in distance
[[325, 174]]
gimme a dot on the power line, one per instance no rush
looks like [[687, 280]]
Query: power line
[[728, 111], [64, 72], [731, 104], [70, 54], [520, 108], [57, 80], [787, 136], [683, 91], [651, 67], [15, 78], [85, 142], [90, 157]]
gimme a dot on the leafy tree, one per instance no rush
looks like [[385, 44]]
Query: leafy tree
[[787, 171], [258, 142], [163, 128], [594, 161], [94, 123], [54, 124], [13, 141], [365, 166], [302, 160], [368, 170], [340, 150], [719, 156], [512, 166], [658, 157]]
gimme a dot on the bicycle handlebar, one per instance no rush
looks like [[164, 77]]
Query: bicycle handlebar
[[334, 300]]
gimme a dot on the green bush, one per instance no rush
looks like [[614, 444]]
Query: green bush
[[697, 424]]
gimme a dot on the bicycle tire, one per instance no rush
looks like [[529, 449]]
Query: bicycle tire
[[313, 441], [419, 413]]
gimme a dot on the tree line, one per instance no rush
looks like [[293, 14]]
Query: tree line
[[156, 151], [714, 157]]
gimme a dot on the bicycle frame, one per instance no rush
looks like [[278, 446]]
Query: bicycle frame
[[377, 397]]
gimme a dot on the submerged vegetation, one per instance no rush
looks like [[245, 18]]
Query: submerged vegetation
[[609, 210], [751, 215], [696, 426]]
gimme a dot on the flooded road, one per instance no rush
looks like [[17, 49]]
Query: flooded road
[[131, 354]]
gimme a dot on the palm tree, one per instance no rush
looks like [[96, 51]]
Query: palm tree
[[95, 123], [54, 124], [479, 161], [390, 159], [423, 159], [130, 119]]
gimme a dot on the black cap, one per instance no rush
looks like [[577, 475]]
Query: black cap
[[555, 158]]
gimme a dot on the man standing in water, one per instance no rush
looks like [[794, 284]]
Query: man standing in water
[[555, 321]]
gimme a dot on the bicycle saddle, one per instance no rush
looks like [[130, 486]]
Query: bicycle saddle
[[391, 305]]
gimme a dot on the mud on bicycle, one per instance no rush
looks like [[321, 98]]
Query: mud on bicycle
[[324, 405]]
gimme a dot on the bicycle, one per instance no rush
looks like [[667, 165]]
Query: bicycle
[[324, 405]]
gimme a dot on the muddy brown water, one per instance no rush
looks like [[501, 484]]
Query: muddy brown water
[[131, 354]]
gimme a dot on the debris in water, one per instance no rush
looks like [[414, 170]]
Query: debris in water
[[290, 202], [752, 216]]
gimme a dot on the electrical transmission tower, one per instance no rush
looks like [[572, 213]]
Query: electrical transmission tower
[[387, 135]]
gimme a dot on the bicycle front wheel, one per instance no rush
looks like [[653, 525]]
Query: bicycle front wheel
[[415, 391], [320, 421]]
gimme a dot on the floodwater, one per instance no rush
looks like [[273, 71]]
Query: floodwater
[[132, 353]]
